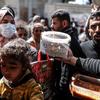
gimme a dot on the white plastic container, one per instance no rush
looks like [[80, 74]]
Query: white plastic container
[[55, 43]]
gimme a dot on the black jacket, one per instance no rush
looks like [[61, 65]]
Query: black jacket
[[64, 72], [74, 44]]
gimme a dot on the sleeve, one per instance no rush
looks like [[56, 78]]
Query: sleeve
[[36, 92], [89, 64]]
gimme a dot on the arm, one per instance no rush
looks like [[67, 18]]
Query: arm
[[35, 91], [88, 64]]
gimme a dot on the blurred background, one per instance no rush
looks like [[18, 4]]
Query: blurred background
[[26, 9]]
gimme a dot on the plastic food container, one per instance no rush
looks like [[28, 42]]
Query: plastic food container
[[55, 43]]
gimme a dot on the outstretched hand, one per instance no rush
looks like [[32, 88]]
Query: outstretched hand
[[69, 59]]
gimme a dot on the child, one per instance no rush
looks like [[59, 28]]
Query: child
[[17, 82]]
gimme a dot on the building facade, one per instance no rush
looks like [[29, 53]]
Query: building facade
[[25, 9]]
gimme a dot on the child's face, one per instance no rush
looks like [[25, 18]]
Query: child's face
[[12, 70]]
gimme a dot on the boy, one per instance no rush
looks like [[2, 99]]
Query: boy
[[17, 82]]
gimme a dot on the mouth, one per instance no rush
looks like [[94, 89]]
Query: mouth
[[97, 37]]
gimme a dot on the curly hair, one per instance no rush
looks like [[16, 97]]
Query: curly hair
[[19, 50]]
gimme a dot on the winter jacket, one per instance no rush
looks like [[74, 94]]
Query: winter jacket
[[27, 89]]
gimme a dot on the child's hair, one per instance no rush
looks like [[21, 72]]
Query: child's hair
[[18, 50]]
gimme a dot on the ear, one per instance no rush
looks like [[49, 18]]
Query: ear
[[65, 23], [89, 31]]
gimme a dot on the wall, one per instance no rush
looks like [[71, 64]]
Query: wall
[[79, 12]]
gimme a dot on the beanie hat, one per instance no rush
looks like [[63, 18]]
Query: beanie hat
[[6, 9], [36, 18]]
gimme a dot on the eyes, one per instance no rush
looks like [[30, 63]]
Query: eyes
[[20, 35], [6, 21], [10, 66], [95, 26], [38, 29]]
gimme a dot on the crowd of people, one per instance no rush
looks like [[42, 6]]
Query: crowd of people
[[26, 73]]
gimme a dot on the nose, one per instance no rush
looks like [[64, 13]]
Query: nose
[[97, 28], [52, 27]]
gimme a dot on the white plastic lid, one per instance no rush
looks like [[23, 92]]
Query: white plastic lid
[[56, 37]]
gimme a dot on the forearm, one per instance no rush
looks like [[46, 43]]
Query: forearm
[[89, 64]]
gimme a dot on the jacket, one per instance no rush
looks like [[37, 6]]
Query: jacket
[[64, 72], [27, 89]]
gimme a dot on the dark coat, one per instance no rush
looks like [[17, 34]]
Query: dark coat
[[64, 72]]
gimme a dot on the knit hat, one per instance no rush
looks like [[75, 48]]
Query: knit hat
[[36, 18], [6, 9]]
